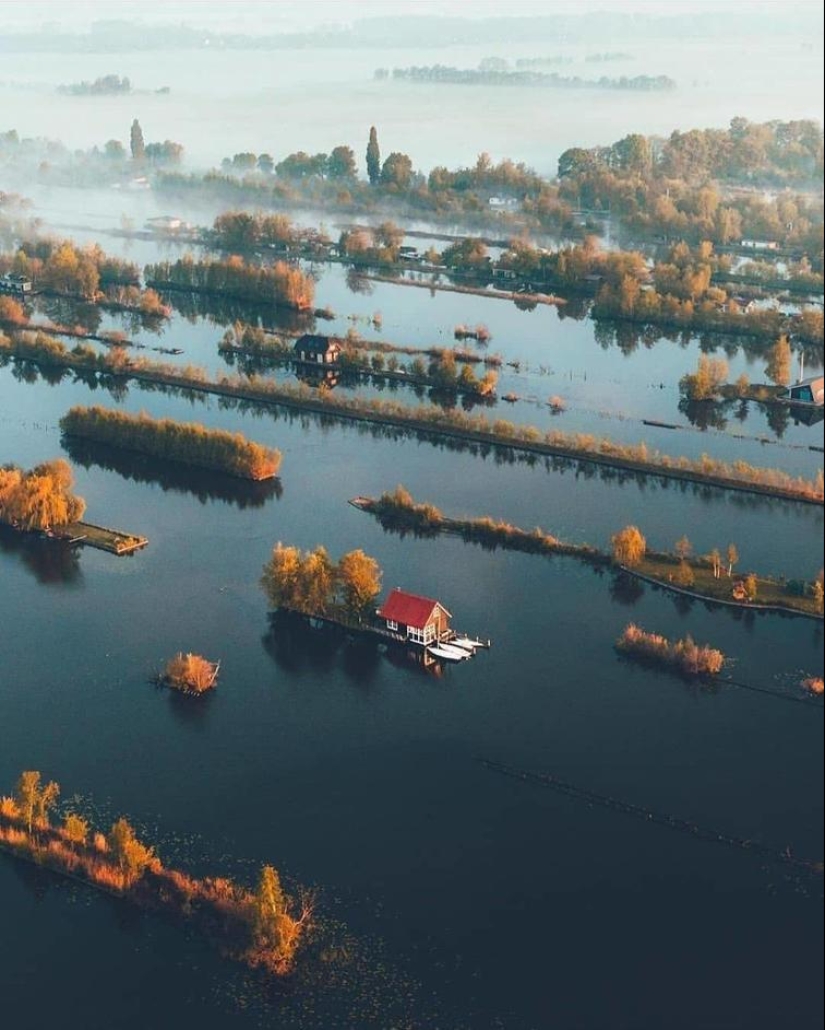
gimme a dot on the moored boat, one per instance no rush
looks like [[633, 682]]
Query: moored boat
[[452, 654]]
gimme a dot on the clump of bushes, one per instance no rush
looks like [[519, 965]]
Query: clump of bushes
[[814, 685], [685, 655], [190, 673]]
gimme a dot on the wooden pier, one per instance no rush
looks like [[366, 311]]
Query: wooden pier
[[112, 540]]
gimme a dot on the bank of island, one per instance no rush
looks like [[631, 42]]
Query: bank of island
[[41, 500], [264, 927], [706, 577]]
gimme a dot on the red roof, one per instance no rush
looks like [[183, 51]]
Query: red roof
[[409, 609]]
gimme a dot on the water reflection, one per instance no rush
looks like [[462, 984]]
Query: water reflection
[[225, 311], [191, 712], [51, 562], [170, 475], [296, 646], [626, 589]]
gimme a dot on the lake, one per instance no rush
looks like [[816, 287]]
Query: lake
[[450, 895], [469, 899]]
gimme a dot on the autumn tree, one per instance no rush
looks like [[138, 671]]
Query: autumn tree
[[360, 582], [275, 929], [269, 902], [280, 576], [341, 164], [778, 369], [39, 499], [684, 575], [705, 382], [684, 548], [397, 171], [818, 591], [715, 559], [136, 143], [629, 546], [317, 582], [130, 854], [75, 829], [733, 558], [34, 799], [190, 673]]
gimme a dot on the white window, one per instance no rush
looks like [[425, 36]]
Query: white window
[[422, 636], [392, 624]]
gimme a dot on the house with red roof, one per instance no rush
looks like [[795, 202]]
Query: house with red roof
[[420, 620]]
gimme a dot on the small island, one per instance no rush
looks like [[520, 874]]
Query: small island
[[190, 674], [263, 928], [187, 442], [41, 501], [684, 656], [103, 86]]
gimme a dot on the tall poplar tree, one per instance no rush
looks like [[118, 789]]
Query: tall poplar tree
[[136, 142], [373, 158]]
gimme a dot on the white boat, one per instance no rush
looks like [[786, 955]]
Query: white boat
[[465, 644], [452, 654]]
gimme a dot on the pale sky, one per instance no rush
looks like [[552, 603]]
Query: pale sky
[[265, 15]]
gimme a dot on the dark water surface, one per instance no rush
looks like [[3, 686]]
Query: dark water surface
[[471, 899]]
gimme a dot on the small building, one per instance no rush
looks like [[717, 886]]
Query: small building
[[420, 620], [739, 305], [10, 283], [759, 245], [808, 391], [311, 349], [166, 223]]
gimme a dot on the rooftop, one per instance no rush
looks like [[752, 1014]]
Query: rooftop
[[409, 609]]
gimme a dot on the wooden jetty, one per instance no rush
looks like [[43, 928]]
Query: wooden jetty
[[104, 539]]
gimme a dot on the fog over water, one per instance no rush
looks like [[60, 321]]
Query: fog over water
[[223, 101]]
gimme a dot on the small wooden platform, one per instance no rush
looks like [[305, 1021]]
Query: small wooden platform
[[112, 540]]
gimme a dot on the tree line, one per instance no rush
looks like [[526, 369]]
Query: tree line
[[312, 583], [453, 423], [185, 442], [279, 284], [671, 186], [485, 76], [263, 927]]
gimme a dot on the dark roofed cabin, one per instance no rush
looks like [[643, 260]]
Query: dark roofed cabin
[[420, 619], [317, 350], [808, 391]]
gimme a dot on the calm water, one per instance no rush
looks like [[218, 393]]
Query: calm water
[[473, 900]]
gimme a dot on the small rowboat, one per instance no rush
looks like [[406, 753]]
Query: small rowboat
[[452, 654], [465, 643]]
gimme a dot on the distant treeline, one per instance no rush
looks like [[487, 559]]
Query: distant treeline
[[441, 73], [671, 187], [105, 85], [280, 284], [190, 443]]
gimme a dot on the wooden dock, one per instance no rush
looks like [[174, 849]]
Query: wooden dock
[[112, 540]]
